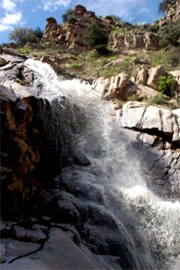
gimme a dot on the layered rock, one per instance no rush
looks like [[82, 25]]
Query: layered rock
[[73, 36], [142, 40], [114, 87]]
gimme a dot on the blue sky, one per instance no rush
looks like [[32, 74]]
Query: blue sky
[[33, 13]]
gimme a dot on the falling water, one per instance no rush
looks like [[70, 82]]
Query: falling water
[[113, 184]]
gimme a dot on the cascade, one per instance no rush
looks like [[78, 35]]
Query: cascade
[[122, 216]]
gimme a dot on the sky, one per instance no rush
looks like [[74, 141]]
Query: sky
[[33, 13]]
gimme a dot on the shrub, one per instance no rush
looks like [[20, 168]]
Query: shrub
[[23, 35], [158, 99], [66, 15], [75, 65], [96, 37], [170, 35], [167, 85], [38, 32]]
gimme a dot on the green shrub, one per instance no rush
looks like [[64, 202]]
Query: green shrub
[[158, 99], [23, 35], [25, 50], [96, 37], [75, 65], [167, 85], [170, 35]]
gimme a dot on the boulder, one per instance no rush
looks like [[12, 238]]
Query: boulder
[[142, 77], [154, 74], [151, 41], [151, 120], [118, 86]]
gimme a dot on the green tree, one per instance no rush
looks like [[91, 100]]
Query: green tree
[[115, 18], [38, 32], [164, 5], [170, 35], [96, 37], [66, 15], [23, 35]]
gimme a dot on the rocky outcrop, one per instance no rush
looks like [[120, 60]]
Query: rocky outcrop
[[173, 12], [114, 87], [73, 36], [142, 40], [53, 31]]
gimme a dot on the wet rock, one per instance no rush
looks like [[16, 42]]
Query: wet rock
[[59, 252], [17, 249], [29, 235]]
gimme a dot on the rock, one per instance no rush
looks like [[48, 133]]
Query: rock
[[152, 120], [176, 74], [53, 31], [142, 76], [154, 74], [23, 156], [29, 235], [101, 85], [118, 86], [151, 41], [19, 248], [59, 252]]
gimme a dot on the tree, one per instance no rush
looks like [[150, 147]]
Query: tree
[[23, 35], [170, 35], [66, 15], [164, 5], [96, 37], [115, 18], [38, 32]]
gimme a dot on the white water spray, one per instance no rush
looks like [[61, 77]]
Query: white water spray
[[118, 171]]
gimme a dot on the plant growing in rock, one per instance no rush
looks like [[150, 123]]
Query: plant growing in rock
[[167, 85], [158, 99], [96, 38]]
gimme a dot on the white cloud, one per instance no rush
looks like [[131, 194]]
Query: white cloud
[[8, 5], [11, 19], [5, 28], [51, 5]]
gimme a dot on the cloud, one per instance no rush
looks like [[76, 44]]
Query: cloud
[[8, 5], [11, 19], [51, 5], [5, 28]]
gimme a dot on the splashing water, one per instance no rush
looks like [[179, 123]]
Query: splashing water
[[115, 171]]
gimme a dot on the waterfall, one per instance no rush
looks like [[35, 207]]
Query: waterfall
[[122, 217]]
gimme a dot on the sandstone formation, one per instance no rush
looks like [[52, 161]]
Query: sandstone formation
[[132, 40], [154, 74], [73, 36], [114, 87]]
